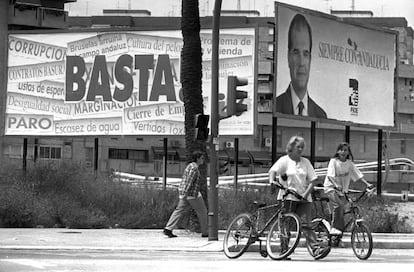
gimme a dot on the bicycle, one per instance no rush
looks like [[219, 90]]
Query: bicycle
[[281, 239], [361, 236]]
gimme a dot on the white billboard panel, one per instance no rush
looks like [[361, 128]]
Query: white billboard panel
[[117, 83], [346, 73]]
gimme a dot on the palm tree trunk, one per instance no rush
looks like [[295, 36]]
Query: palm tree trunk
[[191, 74]]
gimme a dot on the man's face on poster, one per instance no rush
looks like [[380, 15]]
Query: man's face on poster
[[299, 58]]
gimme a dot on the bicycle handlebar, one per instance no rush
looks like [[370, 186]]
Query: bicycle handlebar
[[368, 192], [288, 191], [351, 191]]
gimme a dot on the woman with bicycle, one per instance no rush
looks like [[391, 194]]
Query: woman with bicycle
[[341, 170], [297, 173]]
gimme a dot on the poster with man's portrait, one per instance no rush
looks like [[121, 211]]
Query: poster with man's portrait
[[330, 69]]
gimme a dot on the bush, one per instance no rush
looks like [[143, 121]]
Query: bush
[[70, 196], [16, 209], [379, 218]]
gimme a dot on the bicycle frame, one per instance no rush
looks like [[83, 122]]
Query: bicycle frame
[[270, 221], [354, 209], [276, 215], [278, 212]]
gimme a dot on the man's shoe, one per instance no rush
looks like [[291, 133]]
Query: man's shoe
[[335, 231], [169, 233]]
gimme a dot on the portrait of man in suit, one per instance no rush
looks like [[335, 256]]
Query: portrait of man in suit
[[296, 100]]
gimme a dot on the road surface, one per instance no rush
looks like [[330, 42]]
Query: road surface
[[340, 259]]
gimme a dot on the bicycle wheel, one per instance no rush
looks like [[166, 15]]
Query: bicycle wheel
[[321, 229], [238, 236], [361, 241], [283, 236]]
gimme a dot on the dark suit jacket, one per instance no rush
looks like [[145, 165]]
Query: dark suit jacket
[[284, 105]]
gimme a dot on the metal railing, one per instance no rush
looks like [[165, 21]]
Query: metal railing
[[400, 166]]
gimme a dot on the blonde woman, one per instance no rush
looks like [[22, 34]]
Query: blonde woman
[[297, 173]]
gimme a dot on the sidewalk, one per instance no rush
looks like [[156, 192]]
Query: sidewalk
[[105, 239], [145, 240]]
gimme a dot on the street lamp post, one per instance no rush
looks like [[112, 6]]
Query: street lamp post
[[213, 193]]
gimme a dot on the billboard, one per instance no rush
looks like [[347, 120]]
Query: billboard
[[333, 70], [117, 82]]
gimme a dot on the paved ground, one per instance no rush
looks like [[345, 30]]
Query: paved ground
[[143, 240], [147, 240]]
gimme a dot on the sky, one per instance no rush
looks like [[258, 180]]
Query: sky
[[380, 8]]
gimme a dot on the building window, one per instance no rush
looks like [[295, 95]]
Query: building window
[[89, 156], [14, 151], [270, 47], [138, 155], [118, 154], [128, 154], [271, 30], [50, 152], [403, 147]]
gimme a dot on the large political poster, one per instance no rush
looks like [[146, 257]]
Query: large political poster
[[337, 70], [117, 83]]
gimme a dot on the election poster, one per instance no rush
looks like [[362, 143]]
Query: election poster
[[117, 82], [337, 70]]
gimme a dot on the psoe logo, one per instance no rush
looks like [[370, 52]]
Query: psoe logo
[[354, 96], [29, 122]]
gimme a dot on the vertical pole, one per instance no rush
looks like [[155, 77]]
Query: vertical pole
[[164, 163], [379, 167], [236, 162], [214, 144], [273, 86], [36, 149], [347, 134], [274, 139], [95, 163], [24, 154], [4, 10], [313, 137]]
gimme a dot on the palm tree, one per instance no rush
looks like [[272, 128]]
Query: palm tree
[[191, 74]]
